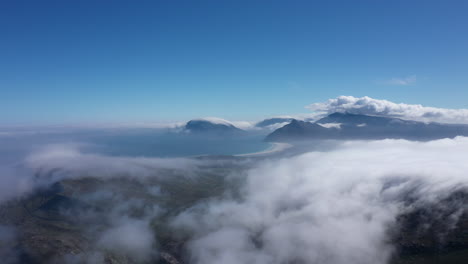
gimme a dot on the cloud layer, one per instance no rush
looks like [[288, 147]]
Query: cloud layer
[[334, 204], [369, 106], [325, 207]]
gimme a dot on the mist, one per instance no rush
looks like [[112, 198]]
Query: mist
[[325, 207], [339, 204]]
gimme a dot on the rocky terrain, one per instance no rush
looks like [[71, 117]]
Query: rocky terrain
[[59, 223]]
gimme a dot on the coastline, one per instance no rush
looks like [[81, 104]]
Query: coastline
[[276, 147]]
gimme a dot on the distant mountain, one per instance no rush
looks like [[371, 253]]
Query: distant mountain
[[354, 126], [274, 121], [212, 126]]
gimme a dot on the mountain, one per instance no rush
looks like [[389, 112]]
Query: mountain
[[355, 126], [212, 126], [274, 121]]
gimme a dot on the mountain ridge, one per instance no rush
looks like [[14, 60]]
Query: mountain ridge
[[355, 126]]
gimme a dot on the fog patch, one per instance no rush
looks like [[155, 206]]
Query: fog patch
[[130, 237]]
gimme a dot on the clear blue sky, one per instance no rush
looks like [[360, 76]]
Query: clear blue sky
[[70, 61]]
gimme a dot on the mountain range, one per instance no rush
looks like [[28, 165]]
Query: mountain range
[[334, 126], [355, 126]]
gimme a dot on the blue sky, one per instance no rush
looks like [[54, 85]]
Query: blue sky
[[113, 61]]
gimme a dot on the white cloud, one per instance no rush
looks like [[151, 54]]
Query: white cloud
[[332, 206], [331, 125], [130, 237], [19, 178], [325, 207], [401, 81], [369, 106], [217, 120], [246, 125], [276, 126], [70, 158]]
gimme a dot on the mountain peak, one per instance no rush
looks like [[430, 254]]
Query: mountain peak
[[211, 125]]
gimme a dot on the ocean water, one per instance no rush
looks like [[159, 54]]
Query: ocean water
[[177, 145], [131, 143]]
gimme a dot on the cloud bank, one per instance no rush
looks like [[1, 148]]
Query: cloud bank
[[329, 205], [325, 207], [369, 106]]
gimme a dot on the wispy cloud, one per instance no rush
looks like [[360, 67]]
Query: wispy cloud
[[409, 80]]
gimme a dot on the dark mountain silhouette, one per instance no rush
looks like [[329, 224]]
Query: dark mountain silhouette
[[201, 126], [354, 126]]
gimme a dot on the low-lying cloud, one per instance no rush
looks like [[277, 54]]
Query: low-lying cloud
[[335, 205], [130, 237], [325, 207]]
